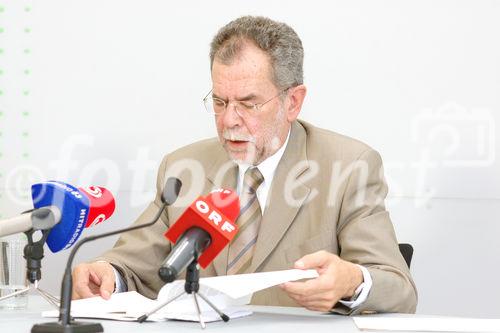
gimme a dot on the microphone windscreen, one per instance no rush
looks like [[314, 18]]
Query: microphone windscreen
[[76, 207], [171, 190]]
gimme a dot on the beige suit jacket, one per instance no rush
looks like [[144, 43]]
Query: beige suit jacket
[[327, 194]]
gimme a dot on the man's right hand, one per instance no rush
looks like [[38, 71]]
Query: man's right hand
[[93, 279]]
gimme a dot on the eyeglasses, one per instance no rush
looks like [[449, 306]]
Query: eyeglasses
[[217, 106]]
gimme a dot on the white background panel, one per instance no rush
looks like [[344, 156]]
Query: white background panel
[[98, 91]]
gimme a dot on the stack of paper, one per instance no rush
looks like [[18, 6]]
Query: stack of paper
[[228, 293]]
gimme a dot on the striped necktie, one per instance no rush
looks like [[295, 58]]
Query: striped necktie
[[242, 246]]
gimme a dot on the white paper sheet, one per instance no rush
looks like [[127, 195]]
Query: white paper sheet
[[240, 285], [208, 316], [426, 324], [228, 293]]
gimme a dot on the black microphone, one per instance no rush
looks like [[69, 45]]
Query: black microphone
[[65, 323], [188, 248]]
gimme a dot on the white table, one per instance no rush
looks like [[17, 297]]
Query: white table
[[264, 319]]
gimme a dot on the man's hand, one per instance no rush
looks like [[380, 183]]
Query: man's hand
[[337, 279], [93, 279]]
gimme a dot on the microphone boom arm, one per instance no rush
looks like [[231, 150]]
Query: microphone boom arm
[[67, 284]]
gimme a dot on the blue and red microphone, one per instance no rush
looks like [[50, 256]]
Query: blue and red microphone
[[80, 208], [63, 210]]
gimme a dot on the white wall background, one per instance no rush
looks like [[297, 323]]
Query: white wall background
[[96, 92]]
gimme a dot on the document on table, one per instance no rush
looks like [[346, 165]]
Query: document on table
[[399, 322], [128, 306], [228, 293]]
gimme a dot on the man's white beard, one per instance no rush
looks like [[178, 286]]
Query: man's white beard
[[271, 145]]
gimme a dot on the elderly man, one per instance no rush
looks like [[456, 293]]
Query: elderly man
[[311, 198]]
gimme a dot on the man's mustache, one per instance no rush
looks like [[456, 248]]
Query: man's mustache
[[235, 136]]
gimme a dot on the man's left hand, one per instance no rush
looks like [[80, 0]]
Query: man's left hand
[[337, 279]]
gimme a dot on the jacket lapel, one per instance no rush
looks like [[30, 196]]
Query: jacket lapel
[[280, 212]]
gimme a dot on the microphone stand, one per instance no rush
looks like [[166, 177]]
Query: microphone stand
[[33, 253], [66, 324], [192, 287]]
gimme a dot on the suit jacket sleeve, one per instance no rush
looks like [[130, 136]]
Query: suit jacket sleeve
[[366, 237], [137, 254]]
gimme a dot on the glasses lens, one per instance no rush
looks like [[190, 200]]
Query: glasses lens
[[214, 105], [209, 105]]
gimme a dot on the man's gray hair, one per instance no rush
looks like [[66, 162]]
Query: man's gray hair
[[277, 39]]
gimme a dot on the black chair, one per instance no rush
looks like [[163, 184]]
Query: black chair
[[407, 252]]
